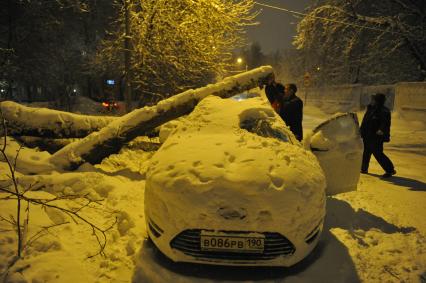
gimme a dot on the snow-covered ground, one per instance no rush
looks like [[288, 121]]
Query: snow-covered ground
[[376, 234]]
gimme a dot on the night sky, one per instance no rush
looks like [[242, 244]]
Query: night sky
[[276, 30]]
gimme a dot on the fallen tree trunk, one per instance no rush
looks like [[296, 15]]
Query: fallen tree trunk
[[53, 145], [43, 122], [45, 144], [110, 139]]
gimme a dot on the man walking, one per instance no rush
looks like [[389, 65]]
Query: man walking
[[375, 130], [291, 109]]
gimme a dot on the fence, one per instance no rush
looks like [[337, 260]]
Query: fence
[[409, 99], [334, 98]]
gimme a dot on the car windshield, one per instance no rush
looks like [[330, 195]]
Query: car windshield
[[244, 96], [262, 128]]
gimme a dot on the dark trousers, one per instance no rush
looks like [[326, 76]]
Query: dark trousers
[[375, 147]]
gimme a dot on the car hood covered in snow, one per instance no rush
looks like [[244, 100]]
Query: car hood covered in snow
[[210, 170]]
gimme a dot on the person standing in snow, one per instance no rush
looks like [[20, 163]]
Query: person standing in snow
[[375, 130], [291, 109], [279, 96], [271, 88]]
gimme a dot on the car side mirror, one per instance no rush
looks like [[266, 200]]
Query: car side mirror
[[318, 142]]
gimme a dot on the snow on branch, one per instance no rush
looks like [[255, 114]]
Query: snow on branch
[[43, 122]]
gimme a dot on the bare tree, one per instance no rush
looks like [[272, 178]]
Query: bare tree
[[365, 41]]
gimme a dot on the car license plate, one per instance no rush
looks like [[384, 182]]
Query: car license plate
[[222, 242]]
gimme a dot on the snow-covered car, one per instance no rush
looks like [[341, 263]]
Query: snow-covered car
[[231, 185]]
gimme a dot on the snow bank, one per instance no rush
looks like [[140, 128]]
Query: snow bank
[[29, 161], [60, 254], [86, 106]]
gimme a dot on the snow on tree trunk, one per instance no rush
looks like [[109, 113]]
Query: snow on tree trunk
[[110, 139], [45, 144], [43, 122]]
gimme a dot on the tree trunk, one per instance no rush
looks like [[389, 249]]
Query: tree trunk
[[110, 139], [45, 144], [53, 145], [127, 54], [43, 122]]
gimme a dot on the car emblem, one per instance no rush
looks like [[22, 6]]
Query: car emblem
[[232, 213]]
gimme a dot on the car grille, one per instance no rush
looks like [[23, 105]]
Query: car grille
[[276, 245], [313, 234], [154, 228]]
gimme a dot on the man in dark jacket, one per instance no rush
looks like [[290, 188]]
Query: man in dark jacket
[[291, 110], [271, 88], [375, 130]]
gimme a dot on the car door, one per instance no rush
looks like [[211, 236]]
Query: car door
[[338, 146]]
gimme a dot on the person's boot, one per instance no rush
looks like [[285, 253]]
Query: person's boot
[[389, 174]]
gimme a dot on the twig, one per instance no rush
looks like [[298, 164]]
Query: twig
[[388, 270], [73, 215], [15, 194], [6, 220], [15, 184], [45, 229]]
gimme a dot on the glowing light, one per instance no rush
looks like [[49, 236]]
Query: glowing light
[[239, 60]]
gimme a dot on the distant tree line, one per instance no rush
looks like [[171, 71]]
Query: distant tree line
[[150, 49], [287, 63]]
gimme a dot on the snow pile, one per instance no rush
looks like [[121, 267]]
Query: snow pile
[[86, 106], [133, 158], [56, 247], [167, 128], [28, 161]]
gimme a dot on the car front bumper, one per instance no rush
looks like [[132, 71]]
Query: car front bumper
[[279, 250]]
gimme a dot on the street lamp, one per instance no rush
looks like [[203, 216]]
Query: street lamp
[[240, 61]]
